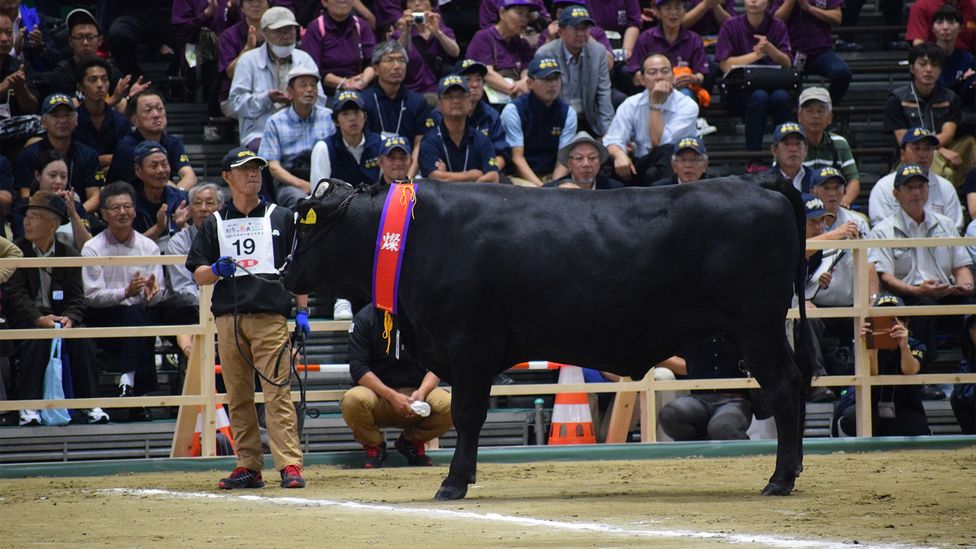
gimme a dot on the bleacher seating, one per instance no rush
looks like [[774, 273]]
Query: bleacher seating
[[511, 421]]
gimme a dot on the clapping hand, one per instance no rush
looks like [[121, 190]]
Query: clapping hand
[[151, 288]]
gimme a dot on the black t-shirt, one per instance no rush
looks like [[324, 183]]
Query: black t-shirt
[[905, 109], [64, 80], [367, 352], [969, 186], [253, 294], [904, 396]]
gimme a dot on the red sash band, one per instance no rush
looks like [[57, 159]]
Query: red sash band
[[390, 240]]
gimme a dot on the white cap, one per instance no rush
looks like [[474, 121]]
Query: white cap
[[298, 70], [815, 93], [277, 18]]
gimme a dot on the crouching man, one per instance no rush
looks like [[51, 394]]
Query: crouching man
[[391, 390]]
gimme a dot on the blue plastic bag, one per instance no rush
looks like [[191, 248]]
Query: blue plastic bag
[[53, 389]]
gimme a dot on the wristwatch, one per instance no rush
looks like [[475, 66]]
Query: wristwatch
[[655, 106], [301, 310]]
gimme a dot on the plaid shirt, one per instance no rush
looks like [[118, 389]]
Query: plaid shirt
[[287, 136], [105, 284]]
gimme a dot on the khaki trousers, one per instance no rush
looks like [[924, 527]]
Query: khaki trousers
[[965, 146], [261, 337], [365, 412]]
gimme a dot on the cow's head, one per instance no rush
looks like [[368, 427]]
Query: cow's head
[[333, 249]]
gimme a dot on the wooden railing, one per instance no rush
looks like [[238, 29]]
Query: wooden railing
[[199, 393]]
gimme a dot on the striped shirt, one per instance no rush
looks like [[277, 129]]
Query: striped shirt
[[105, 284], [287, 135], [835, 152]]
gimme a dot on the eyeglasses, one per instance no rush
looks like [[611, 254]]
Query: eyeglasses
[[120, 207], [394, 61], [86, 37], [207, 203]]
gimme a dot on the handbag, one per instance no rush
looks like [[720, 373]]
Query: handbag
[[53, 388], [761, 77]]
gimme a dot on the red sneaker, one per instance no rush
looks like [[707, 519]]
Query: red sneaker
[[241, 477], [291, 477], [375, 456], [414, 451]]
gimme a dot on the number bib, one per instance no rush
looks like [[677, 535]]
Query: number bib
[[248, 241]]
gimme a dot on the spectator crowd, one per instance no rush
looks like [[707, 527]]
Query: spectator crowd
[[577, 94]]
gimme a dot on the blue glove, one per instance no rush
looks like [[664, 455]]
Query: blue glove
[[301, 322], [224, 267]]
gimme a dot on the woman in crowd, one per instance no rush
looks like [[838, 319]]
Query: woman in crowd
[[502, 49], [430, 44], [755, 38], [682, 47], [341, 43], [51, 174]]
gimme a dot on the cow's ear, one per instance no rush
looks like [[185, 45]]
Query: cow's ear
[[322, 189]]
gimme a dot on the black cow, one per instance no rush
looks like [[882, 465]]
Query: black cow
[[494, 275]]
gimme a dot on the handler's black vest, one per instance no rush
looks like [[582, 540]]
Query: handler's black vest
[[344, 165], [541, 128]]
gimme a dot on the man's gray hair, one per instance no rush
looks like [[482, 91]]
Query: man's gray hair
[[200, 187], [386, 48]]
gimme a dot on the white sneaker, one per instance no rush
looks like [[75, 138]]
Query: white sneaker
[[342, 310], [704, 128], [97, 415], [29, 418]]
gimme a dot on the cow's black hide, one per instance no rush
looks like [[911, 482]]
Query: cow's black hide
[[617, 280]]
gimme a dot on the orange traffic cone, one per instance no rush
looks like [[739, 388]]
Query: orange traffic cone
[[571, 420], [224, 447]]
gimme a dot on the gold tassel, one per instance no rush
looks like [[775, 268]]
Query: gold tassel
[[387, 327], [404, 200]]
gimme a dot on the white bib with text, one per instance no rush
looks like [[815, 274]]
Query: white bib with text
[[248, 241]]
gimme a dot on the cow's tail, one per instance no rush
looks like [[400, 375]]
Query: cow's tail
[[804, 351]]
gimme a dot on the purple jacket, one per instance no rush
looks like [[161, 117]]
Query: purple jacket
[[188, 14], [341, 48], [488, 47], [421, 77], [736, 38], [686, 51], [230, 45], [808, 35], [708, 24], [615, 15]]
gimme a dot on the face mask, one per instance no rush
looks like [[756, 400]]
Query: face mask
[[282, 51]]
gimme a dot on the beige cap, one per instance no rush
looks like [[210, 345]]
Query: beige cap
[[815, 93], [277, 18]]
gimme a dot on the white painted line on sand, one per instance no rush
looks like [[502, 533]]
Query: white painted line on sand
[[450, 514]]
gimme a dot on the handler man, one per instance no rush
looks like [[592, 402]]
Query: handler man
[[389, 384], [256, 235]]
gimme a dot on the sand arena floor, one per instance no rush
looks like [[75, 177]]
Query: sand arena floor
[[904, 498]]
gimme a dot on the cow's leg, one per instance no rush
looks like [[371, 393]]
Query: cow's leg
[[769, 358], [469, 407]]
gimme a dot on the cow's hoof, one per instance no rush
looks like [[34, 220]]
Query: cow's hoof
[[451, 490], [777, 489]]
